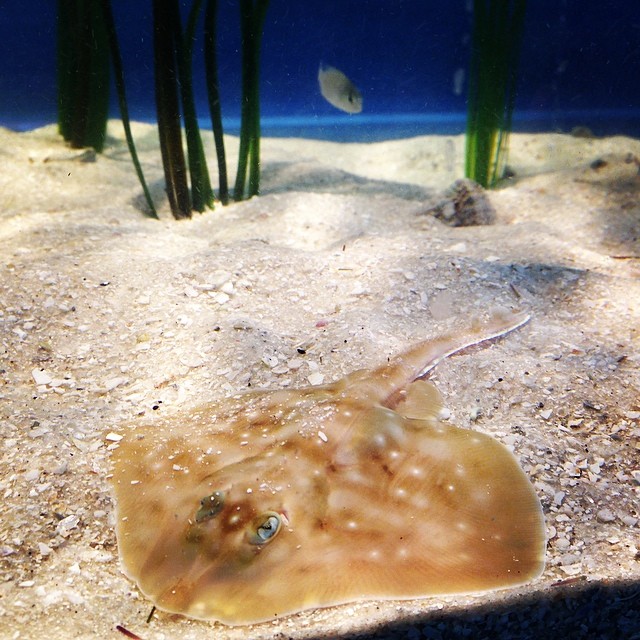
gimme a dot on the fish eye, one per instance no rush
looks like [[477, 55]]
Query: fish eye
[[210, 506], [264, 528]]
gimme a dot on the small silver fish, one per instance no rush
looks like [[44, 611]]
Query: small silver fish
[[338, 90]]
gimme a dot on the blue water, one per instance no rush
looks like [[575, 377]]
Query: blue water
[[580, 66]]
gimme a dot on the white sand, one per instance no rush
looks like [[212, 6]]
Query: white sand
[[106, 315]]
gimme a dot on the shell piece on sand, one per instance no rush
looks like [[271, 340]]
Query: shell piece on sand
[[268, 503]]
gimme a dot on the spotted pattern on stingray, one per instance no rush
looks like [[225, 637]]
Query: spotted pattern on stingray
[[268, 503]]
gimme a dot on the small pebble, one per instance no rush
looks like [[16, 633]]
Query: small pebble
[[595, 468], [270, 361], [217, 279], [192, 361], [572, 569], [569, 558], [190, 292], [227, 287], [605, 515], [66, 525], [41, 377], [220, 297], [112, 383], [184, 320], [510, 440], [74, 598], [315, 378]]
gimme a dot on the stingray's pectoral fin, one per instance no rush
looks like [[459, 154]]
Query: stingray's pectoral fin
[[421, 401]]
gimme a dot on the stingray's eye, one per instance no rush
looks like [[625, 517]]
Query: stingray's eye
[[264, 528], [210, 506]]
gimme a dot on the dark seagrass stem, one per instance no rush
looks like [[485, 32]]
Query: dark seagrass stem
[[201, 192], [167, 106], [252, 15], [116, 62], [83, 73], [213, 95]]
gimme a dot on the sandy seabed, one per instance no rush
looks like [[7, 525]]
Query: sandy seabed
[[107, 316]]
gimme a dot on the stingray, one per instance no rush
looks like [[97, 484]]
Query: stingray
[[268, 503]]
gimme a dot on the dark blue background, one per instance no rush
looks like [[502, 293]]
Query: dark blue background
[[580, 64]]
